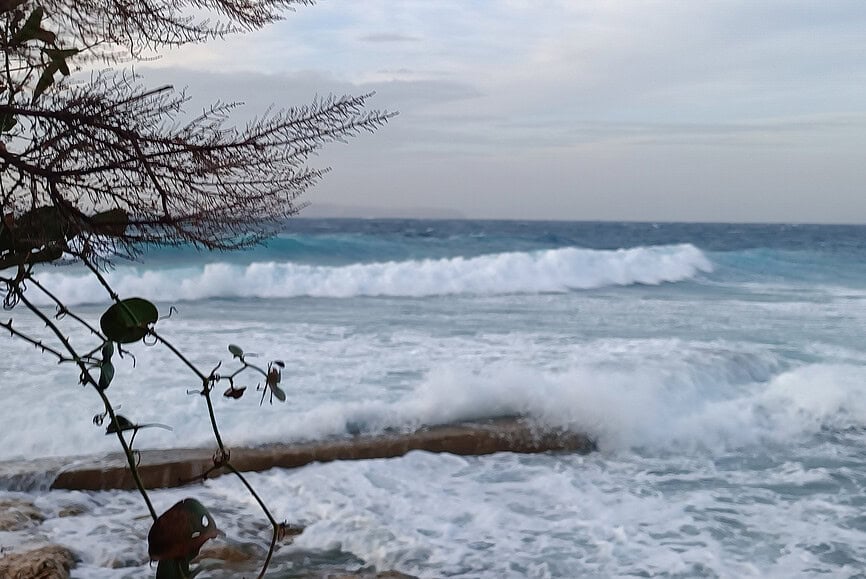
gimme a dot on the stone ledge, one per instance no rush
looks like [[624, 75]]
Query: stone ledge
[[171, 468]]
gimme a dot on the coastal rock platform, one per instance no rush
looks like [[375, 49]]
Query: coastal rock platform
[[176, 467]]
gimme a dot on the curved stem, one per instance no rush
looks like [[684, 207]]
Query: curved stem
[[66, 311], [38, 343], [274, 523], [206, 391], [85, 372]]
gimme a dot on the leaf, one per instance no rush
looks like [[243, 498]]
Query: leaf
[[235, 393], [278, 392], [112, 222], [46, 80], [42, 226], [121, 424], [60, 53], [31, 27], [106, 374], [59, 56], [107, 351], [8, 123], [7, 5], [128, 320], [273, 378], [45, 36], [179, 533], [236, 351]]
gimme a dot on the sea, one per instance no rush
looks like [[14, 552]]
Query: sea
[[720, 368]]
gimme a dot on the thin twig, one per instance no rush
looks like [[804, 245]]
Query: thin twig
[[85, 373], [38, 343]]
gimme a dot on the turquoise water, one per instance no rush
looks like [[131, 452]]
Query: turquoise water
[[720, 367]]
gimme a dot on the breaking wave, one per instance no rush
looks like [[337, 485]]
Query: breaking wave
[[555, 270]]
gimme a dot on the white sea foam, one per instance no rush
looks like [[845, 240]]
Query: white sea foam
[[556, 270], [653, 408], [689, 402]]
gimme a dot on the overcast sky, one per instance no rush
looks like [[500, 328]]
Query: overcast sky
[[707, 110]]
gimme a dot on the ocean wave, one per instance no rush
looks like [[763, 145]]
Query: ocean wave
[[649, 409], [550, 271]]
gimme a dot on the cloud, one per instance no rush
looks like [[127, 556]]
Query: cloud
[[388, 37], [621, 106]]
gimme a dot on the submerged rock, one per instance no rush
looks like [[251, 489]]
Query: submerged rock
[[48, 562], [17, 515], [365, 575]]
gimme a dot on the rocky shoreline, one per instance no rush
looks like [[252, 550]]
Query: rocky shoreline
[[25, 556]]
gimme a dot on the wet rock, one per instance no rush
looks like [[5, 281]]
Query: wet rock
[[370, 575], [48, 562], [72, 511], [231, 553], [170, 468], [17, 515]]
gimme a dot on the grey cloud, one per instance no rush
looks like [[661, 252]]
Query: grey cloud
[[260, 91], [388, 37]]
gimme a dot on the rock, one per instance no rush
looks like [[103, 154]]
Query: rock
[[230, 553], [372, 575], [72, 511], [170, 468], [16, 515], [48, 562]]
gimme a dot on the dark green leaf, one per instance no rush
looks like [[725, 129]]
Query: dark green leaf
[[236, 351], [46, 36], [122, 423], [31, 27], [8, 123], [107, 351], [278, 392], [128, 320], [112, 222], [42, 226], [46, 80], [60, 53], [8, 5], [106, 375], [59, 56], [179, 533]]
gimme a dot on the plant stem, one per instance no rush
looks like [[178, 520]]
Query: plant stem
[[85, 372], [274, 523], [62, 309], [38, 343]]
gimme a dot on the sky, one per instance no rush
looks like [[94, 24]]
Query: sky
[[646, 110]]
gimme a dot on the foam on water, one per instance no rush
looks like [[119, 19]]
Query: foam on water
[[556, 270], [730, 413], [511, 516], [666, 395]]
